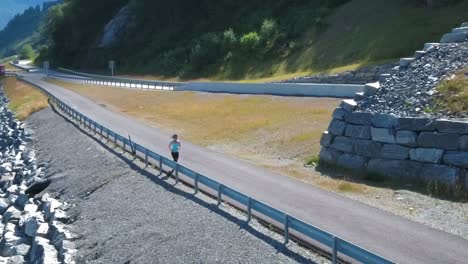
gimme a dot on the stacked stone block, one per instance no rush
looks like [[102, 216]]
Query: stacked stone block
[[401, 148]]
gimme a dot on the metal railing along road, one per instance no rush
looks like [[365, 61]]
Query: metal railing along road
[[84, 78], [252, 207]]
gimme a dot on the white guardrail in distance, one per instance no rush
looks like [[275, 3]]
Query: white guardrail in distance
[[84, 78], [291, 226], [283, 89]]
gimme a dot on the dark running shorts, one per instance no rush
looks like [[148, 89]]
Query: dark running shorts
[[175, 156]]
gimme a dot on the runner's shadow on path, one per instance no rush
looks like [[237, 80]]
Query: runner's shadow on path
[[243, 224]]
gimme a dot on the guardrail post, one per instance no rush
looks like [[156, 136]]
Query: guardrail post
[[160, 164], [124, 146], [249, 209], [286, 229], [146, 157], [195, 185], [335, 250], [220, 192], [176, 173], [115, 139]]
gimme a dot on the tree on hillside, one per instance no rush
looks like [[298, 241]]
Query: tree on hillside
[[27, 52]]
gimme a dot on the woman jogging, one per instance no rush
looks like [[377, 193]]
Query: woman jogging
[[174, 147]]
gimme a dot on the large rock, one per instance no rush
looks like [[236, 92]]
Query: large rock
[[456, 158], [343, 144], [371, 88], [67, 252], [348, 105], [463, 144], [59, 215], [12, 214], [456, 127], [438, 140], [353, 162], [59, 234], [30, 226], [48, 206], [395, 169], [367, 148], [415, 124], [337, 127], [328, 155], [407, 138], [42, 252], [384, 135], [430, 155], [339, 113], [8, 243], [20, 202], [327, 139], [383, 121], [359, 118], [356, 131], [393, 151], [4, 204], [440, 173], [22, 249], [454, 37]]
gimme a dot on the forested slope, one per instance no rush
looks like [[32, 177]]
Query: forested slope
[[230, 39], [25, 29]]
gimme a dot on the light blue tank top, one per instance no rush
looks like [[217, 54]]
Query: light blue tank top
[[175, 146]]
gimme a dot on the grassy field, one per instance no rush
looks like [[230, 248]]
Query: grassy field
[[453, 93], [277, 133], [24, 99]]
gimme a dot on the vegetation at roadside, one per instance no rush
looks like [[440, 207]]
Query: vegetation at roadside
[[232, 40], [24, 98], [453, 93]]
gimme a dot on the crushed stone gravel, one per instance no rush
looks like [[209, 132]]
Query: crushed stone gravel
[[126, 214]]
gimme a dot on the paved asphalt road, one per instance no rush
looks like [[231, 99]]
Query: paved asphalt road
[[391, 236]]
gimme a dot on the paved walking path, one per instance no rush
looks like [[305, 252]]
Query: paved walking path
[[391, 236]]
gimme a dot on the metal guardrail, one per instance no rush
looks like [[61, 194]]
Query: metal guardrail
[[114, 81], [251, 206]]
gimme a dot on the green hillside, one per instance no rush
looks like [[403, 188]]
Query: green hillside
[[234, 40], [25, 29]]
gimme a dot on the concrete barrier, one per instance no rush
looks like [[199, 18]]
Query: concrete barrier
[[286, 89]]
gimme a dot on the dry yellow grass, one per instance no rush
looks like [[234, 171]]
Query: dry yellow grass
[[288, 127], [277, 133], [24, 98], [9, 67]]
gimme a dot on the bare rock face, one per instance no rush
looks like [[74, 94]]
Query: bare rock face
[[114, 29]]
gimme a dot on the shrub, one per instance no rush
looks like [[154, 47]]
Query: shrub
[[269, 29], [27, 52], [229, 39], [250, 41], [206, 50]]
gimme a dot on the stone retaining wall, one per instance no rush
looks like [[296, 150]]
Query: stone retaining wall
[[361, 76], [402, 148]]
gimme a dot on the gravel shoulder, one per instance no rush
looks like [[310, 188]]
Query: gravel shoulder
[[125, 214]]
